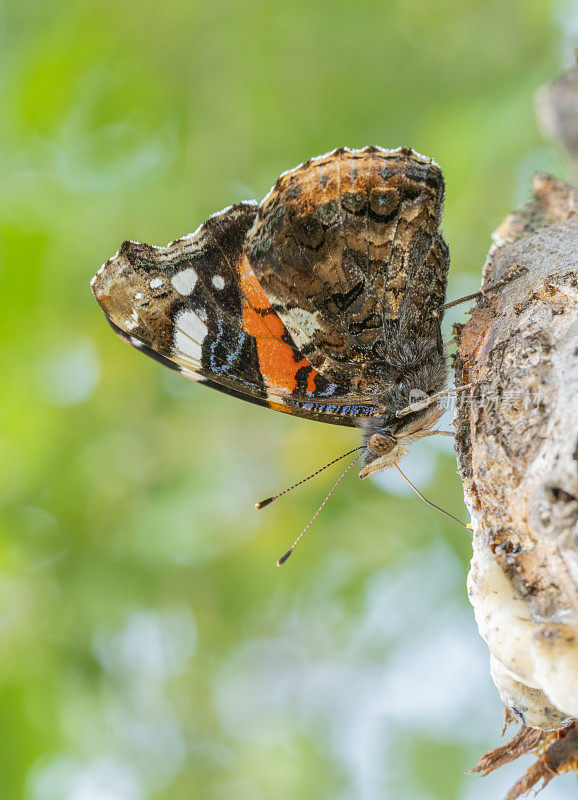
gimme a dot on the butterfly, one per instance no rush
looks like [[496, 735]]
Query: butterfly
[[324, 301]]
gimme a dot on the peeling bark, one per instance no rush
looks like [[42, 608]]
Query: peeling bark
[[557, 754], [525, 741]]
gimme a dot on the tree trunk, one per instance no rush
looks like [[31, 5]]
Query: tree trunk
[[517, 445]]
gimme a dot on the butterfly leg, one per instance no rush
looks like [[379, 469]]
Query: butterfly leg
[[483, 292]]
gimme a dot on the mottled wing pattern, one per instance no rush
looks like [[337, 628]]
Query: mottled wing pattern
[[348, 249], [314, 303], [197, 307]]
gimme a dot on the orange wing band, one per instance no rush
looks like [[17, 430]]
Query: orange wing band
[[276, 357]]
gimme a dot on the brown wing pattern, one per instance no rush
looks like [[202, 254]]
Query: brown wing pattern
[[304, 303], [196, 306], [348, 249]]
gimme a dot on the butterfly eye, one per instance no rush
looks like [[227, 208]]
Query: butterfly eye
[[381, 445]]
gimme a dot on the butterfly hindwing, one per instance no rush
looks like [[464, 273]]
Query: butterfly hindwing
[[343, 245]]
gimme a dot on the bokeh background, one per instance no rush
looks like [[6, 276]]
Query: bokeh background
[[150, 650]]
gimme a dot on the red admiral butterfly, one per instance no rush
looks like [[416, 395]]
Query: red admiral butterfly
[[323, 301]]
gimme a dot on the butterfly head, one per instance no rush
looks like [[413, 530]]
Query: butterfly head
[[387, 438]]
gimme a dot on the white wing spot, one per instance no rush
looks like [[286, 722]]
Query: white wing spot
[[218, 282], [301, 325], [139, 296], [190, 332], [156, 283], [185, 281]]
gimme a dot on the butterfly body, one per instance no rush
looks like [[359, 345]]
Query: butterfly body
[[321, 302]]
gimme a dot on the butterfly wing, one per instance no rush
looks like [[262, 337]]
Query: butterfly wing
[[309, 303], [197, 307], [348, 250]]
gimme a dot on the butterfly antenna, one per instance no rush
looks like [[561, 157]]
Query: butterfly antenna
[[284, 557], [429, 502], [266, 502]]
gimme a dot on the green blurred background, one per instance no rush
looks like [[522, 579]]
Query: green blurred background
[[149, 646]]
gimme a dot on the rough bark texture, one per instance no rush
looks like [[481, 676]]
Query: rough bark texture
[[518, 457], [517, 444]]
